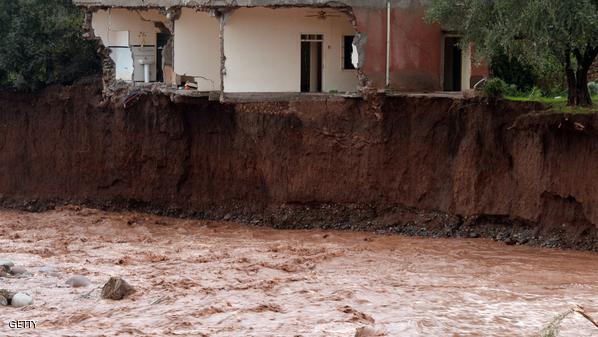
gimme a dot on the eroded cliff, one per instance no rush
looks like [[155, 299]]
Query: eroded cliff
[[426, 166]]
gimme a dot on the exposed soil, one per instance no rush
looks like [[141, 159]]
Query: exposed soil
[[414, 165], [204, 278]]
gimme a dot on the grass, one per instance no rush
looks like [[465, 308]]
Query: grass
[[559, 104]]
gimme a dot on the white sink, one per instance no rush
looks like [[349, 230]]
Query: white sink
[[144, 61]]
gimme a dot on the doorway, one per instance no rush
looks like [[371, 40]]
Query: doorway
[[161, 42], [453, 58], [311, 62]]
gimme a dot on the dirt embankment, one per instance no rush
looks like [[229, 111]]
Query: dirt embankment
[[426, 166]]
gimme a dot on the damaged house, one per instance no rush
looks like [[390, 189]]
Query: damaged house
[[247, 46]]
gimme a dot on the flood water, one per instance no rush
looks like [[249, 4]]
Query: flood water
[[200, 278]]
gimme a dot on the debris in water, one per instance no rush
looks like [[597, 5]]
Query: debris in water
[[553, 329]]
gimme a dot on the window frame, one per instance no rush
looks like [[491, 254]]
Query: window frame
[[343, 56]]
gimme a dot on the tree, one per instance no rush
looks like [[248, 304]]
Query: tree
[[540, 32], [513, 71], [42, 44]]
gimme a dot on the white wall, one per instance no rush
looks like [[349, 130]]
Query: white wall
[[120, 19], [119, 27], [197, 48], [123, 63], [263, 50]]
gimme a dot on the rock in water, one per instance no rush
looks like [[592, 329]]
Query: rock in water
[[50, 270], [116, 289], [5, 267], [367, 331], [18, 270], [78, 281], [21, 300], [6, 263]]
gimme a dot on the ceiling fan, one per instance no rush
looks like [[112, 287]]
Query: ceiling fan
[[322, 15]]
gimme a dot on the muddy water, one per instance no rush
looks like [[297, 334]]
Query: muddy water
[[199, 278]]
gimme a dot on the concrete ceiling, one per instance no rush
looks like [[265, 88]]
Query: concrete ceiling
[[246, 3]]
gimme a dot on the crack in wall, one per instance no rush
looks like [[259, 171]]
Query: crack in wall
[[222, 21]]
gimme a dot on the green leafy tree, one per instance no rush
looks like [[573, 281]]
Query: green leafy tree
[[513, 71], [42, 44], [540, 32]]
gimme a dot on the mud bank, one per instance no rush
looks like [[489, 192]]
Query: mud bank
[[425, 166]]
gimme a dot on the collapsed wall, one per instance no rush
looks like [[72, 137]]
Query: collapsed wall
[[427, 166]]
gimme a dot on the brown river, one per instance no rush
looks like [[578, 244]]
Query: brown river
[[201, 278]]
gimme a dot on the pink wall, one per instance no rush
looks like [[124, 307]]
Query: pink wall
[[373, 23], [415, 49]]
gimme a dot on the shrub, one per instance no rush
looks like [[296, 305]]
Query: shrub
[[593, 87], [513, 90], [536, 93], [495, 88]]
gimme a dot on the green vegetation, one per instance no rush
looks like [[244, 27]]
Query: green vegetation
[[525, 78], [557, 103], [512, 70], [552, 36], [495, 88], [42, 44]]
